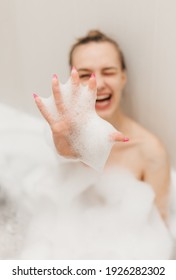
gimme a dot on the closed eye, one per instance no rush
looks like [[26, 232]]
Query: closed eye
[[84, 76], [109, 73]]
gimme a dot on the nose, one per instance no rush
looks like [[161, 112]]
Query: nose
[[100, 81]]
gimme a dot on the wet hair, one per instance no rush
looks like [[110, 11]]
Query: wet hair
[[98, 37]]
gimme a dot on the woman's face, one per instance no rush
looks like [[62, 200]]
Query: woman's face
[[102, 59]]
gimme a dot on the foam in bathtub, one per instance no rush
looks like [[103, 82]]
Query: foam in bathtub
[[90, 137]]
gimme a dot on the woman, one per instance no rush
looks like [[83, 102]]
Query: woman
[[99, 62]]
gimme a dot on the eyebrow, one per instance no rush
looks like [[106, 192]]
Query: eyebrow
[[105, 68], [110, 68], [84, 69]]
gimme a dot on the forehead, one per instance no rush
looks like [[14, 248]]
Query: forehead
[[95, 55]]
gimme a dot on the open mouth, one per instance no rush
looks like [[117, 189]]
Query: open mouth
[[103, 101]]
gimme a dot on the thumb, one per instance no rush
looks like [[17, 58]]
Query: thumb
[[118, 137]]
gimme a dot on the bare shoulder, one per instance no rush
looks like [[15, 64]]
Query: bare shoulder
[[153, 162], [150, 147]]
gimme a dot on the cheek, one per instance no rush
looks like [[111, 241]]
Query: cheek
[[116, 85]]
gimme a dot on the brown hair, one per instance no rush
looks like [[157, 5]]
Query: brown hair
[[97, 36]]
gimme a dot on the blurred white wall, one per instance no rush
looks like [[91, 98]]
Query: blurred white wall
[[36, 36]]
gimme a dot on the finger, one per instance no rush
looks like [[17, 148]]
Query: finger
[[118, 137], [92, 83], [57, 94], [43, 109], [75, 77]]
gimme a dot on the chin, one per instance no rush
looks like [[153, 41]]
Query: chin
[[106, 115], [109, 112]]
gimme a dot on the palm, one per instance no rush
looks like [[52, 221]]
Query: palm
[[78, 132]]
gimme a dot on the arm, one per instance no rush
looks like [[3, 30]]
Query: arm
[[157, 174]]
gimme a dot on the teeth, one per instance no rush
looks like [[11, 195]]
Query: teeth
[[101, 97]]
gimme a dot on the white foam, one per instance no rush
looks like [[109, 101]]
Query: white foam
[[69, 211], [97, 220], [91, 134]]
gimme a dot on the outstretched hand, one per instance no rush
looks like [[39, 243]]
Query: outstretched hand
[[78, 132]]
